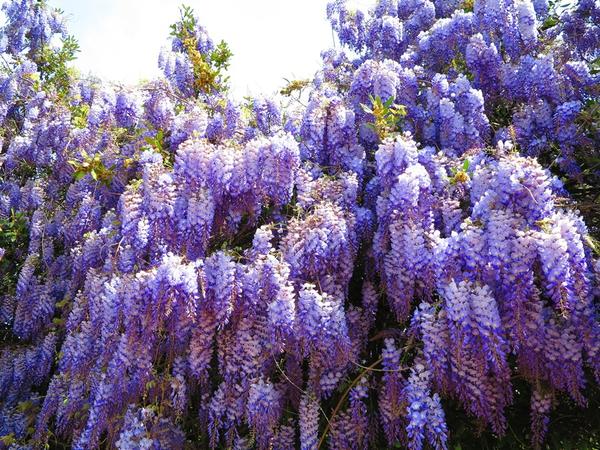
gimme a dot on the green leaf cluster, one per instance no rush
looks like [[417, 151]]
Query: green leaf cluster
[[387, 116], [186, 24], [460, 175], [79, 115], [53, 64], [294, 86], [93, 166], [157, 144], [208, 69], [14, 239]]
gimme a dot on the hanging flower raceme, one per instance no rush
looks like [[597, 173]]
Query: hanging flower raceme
[[329, 135], [403, 240], [508, 288], [457, 120]]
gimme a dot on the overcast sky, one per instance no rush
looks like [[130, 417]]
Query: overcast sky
[[270, 39]]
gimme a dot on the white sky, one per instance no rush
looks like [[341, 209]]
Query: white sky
[[270, 39]]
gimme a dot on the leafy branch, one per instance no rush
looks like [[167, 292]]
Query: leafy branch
[[387, 116], [157, 144], [53, 65], [93, 166], [14, 240], [208, 69], [460, 175]]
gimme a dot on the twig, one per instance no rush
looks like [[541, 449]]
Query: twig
[[388, 333], [343, 397], [401, 369], [297, 387]]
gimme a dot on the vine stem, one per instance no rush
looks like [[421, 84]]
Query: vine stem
[[298, 387], [371, 368], [342, 398]]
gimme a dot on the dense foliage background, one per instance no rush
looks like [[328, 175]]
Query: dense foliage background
[[400, 252]]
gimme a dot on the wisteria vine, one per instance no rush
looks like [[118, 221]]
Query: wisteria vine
[[179, 269]]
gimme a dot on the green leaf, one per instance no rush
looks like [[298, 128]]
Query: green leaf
[[8, 439], [466, 165], [549, 22], [24, 406]]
